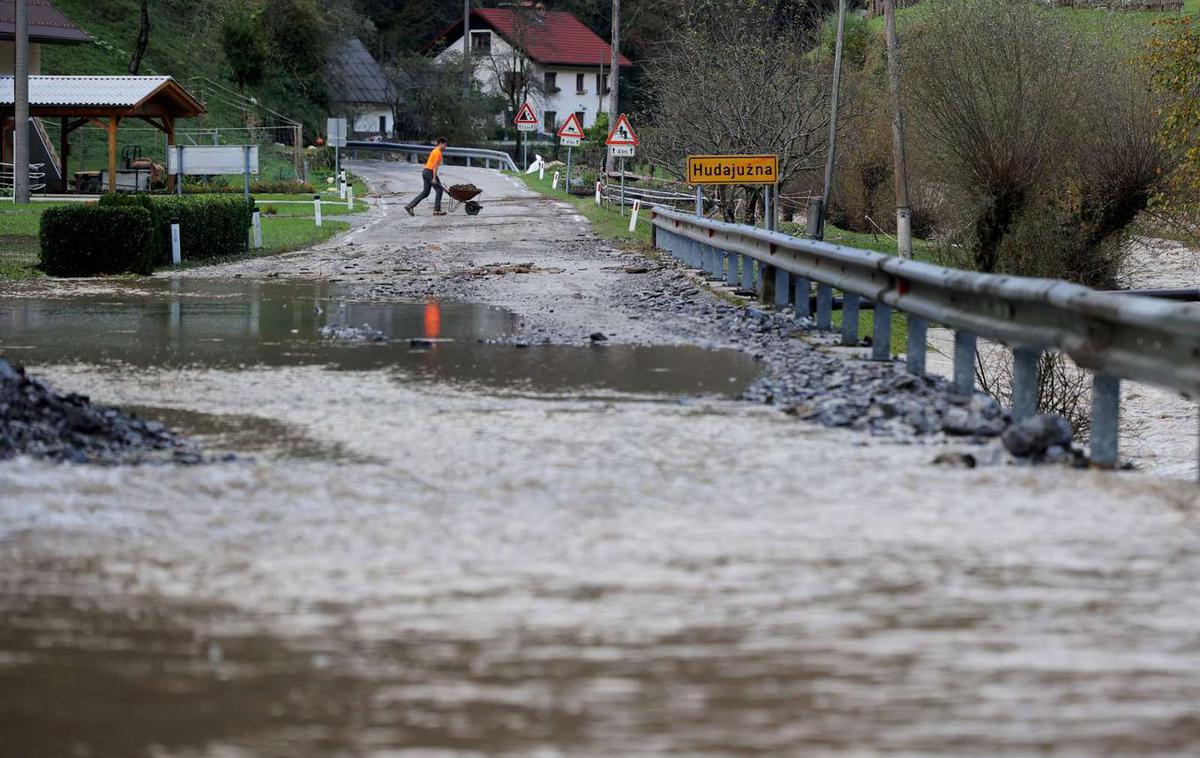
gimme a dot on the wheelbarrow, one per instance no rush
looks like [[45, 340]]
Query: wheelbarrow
[[464, 195]]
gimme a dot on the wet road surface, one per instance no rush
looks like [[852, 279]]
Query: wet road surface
[[446, 567]]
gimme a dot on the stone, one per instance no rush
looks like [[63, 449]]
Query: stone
[[1034, 437], [598, 337], [955, 460]]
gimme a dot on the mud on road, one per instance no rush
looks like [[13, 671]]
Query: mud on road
[[413, 565]]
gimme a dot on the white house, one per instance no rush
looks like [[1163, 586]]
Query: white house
[[359, 91], [567, 63]]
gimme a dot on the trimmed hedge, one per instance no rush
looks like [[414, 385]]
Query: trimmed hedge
[[210, 226], [281, 187], [85, 240]]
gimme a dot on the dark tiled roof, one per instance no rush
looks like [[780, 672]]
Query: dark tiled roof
[[355, 76], [46, 23]]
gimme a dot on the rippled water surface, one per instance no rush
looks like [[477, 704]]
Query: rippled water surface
[[226, 324], [430, 564]]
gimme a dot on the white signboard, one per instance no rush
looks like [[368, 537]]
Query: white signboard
[[211, 159], [621, 151], [335, 129], [571, 141]]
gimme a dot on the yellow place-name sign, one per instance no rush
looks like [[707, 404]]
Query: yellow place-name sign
[[732, 169]]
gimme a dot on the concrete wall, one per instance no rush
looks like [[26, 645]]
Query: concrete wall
[[8, 54]]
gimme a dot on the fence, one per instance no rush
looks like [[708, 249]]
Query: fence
[[36, 174], [471, 155], [1114, 336]]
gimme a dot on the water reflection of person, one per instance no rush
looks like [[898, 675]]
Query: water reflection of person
[[433, 320]]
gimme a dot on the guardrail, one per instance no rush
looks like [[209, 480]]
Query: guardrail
[[1128, 337], [648, 198], [487, 158]]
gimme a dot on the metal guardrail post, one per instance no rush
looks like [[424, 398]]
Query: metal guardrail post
[[964, 362], [916, 347], [748, 275], [731, 268], [1106, 413], [803, 297], [716, 269], [764, 284], [1025, 382], [824, 308], [881, 336], [850, 318], [783, 287]]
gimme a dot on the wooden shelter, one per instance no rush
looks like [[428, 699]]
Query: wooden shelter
[[101, 100]]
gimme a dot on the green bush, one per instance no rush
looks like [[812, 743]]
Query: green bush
[[282, 187], [86, 240], [210, 226]]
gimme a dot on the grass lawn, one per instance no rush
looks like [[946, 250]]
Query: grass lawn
[[607, 220], [302, 205]]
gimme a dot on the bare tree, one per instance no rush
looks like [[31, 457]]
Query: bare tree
[[732, 79], [143, 40], [511, 71]]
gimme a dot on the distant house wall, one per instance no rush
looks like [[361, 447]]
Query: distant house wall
[[568, 99], [366, 119], [8, 55]]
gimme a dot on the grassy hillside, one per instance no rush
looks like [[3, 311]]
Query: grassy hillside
[[1106, 23], [184, 43]]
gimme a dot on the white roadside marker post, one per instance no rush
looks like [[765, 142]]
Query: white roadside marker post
[[257, 223], [597, 193], [342, 185], [554, 184], [176, 255], [637, 205], [350, 197], [317, 208]]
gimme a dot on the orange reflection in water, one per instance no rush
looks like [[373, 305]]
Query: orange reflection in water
[[433, 320]]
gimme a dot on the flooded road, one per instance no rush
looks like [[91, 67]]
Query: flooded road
[[440, 563]]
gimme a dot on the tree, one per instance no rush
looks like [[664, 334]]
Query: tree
[[1174, 61], [143, 40], [732, 79], [242, 43], [509, 70], [298, 44], [429, 101]]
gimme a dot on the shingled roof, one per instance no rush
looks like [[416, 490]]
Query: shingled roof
[[355, 76], [547, 37], [47, 24]]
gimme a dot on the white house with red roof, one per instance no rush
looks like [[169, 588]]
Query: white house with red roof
[[550, 57]]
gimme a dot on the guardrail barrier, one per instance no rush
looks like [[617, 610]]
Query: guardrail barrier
[[1129, 337], [486, 158]]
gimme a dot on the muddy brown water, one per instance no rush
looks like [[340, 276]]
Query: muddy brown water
[[231, 324], [450, 563]]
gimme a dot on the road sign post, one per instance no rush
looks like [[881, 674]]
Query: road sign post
[[622, 143], [570, 134], [526, 121]]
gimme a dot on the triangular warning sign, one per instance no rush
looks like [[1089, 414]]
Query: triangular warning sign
[[572, 128], [622, 133], [526, 115]]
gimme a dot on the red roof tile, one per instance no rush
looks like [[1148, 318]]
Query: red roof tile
[[553, 37], [46, 23]]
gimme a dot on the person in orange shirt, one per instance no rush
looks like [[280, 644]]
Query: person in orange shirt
[[430, 175]]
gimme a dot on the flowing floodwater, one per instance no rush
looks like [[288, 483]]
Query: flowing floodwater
[[452, 548]]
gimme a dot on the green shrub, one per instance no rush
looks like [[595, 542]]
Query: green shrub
[[210, 226], [281, 187], [86, 240]]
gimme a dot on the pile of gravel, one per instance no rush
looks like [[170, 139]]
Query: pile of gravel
[[38, 421]]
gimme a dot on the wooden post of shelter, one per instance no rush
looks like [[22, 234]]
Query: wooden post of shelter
[[64, 148], [113, 121], [169, 122]]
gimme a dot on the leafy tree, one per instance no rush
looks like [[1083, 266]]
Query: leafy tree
[[298, 44], [242, 43], [1174, 60]]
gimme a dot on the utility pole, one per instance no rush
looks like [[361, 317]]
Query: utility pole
[[466, 47], [831, 153], [21, 105], [903, 211], [614, 72]]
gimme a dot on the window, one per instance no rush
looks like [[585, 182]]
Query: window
[[550, 119], [513, 81], [579, 115], [579, 85], [481, 41], [551, 81], [602, 83], [383, 125]]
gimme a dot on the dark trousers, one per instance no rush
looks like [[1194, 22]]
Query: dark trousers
[[427, 175]]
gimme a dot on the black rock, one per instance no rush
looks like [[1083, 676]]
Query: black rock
[[598, 337], [1033, 437]]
